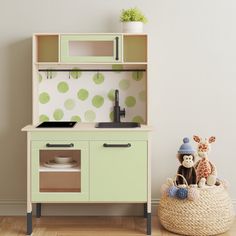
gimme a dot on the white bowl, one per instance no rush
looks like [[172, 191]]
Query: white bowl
[[63, 160]]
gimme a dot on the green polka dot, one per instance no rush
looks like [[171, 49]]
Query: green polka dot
[[43, 118], [137, 75], [98, 78], [75, 74], [62, 87], [58, 114], [75, 118], [44, 98], [111, 115], [130, 101], [50, 74], [138, 119], [117, 67], [124, 84], [69, 104], [82, 94], [89, 115], [142, 96], [111, 95], [40, 78], [97, 101]]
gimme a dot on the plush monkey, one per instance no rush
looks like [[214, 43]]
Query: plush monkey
[[187, 169], [186, 158]]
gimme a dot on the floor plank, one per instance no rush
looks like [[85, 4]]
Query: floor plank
[[86, 226]]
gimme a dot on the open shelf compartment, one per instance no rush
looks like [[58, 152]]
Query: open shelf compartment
[[47, 48], [135, 48], [59, 179]]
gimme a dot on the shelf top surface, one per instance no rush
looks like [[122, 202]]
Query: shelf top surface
[[90, 33], [47, 169], [90, 63]]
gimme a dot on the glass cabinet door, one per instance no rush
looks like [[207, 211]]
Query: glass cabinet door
[[90, 48], [59, 171]]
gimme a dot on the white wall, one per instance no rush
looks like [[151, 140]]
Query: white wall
[[192, 77]]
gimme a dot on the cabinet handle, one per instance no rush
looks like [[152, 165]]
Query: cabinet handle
[[59, 145], [117, 48], [117, 145]]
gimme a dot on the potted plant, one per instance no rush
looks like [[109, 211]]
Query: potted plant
[[133, 20]]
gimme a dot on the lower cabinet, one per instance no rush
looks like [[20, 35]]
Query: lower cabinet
[[102, 167], [118, 171], [101, 171]]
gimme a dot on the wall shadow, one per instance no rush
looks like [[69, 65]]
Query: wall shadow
[[17, 113]]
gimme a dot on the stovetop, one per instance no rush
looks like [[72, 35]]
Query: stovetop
[[57, 124]]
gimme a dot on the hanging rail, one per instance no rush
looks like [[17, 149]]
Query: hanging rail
[[96, 70]]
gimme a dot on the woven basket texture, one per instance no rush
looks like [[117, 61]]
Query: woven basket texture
[[211, 214]]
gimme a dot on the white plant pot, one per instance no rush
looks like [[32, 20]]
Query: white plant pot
[[133, 27]]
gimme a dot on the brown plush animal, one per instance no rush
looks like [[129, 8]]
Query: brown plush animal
[[187, 169]]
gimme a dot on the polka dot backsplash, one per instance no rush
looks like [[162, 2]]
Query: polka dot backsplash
[[89, 96]]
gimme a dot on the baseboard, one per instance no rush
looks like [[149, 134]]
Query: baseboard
[[12, 207], [18, 208], [155, 203]]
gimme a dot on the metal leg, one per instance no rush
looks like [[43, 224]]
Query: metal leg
[[149, 224], [29, 223], [38, 210], [145, 210]]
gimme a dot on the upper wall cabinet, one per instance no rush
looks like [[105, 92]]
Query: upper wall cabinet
[[91, 48]]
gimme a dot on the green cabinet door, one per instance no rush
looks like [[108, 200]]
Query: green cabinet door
[[91, 48], [118, 173], [50, 183]]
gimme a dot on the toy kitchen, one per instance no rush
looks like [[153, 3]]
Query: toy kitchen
[[89, 138]]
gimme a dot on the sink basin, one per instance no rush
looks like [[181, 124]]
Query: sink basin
[[117, 125]]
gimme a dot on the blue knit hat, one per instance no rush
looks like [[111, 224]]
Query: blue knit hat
[[186, 148]]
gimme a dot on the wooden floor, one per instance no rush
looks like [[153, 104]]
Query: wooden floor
[[85, 226]]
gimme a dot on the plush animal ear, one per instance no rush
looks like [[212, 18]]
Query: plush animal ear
[[196, 138], [212, 139]]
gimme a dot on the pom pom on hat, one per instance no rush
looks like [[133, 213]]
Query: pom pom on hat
[[182, 193], [186, 140], [172, 191], [193, 194], [186, 148]]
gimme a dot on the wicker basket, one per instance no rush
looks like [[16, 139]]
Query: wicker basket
[[211, 214]]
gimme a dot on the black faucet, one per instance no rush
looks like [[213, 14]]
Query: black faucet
[[117, 111]]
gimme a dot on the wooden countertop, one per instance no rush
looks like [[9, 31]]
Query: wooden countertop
[[85, 127]]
